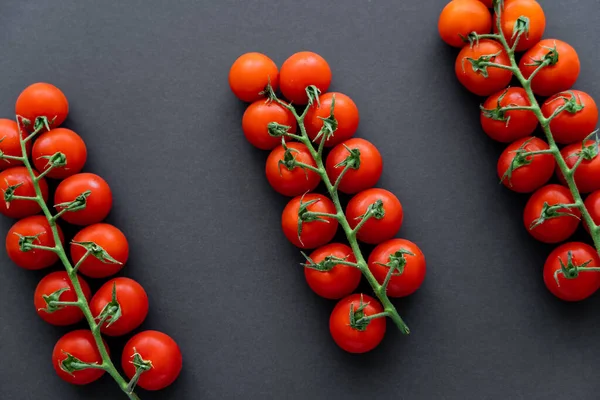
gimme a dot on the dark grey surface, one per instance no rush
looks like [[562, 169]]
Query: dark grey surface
[[147, 82]]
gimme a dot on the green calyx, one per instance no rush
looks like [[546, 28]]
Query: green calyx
[[521, 159], [397, 261], [358, 319], [76, 205], [499, 112], [326, 265], [9, 192], [330, 124], [111, 311], [352, 160], [277, 130], [570, 270], [97, 251], [71, 364], [549, 212], [56, 160], [480, 65], [52, 300]]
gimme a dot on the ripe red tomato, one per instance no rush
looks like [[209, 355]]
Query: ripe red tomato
[[98, 203], [295, 181], [475, 80], [340, 280], [351, 339], [162, 351], [81, 345], [301, 70], [575, 122], [10, 144], [562, 72], [375, 230], [370, 165], [461, 17], [575, 289], [132, 299], [34, 259], [51, 283], [314, 233], [111, 239], [250, 74], [18, 209], [64, 141], [586, 175], [513, 9], [43, 100], [257, 117], [507, 126], [592, 204], [552, 230], [345, 113], [398, 252], [534, 171]]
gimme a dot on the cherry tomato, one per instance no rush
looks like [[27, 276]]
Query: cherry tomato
[[562, 72], [461, 17], [111, 239], [159, 349], [250, 74], [572, 289], [410, 260], [574, 123], [381, 226], [256, 119], [587, 173], [340, 280], [10, 144], [507, 126], [20, 208], [530, 172], [81, 345], [98, 204], [132, 299], [345, 113], [370, 165], [43, 100], [316, 232], [286, 178], [64, 141], [551, 230], [592, 204], [531, 9], [352, 339], [474, 80], [51, 283], [301, 70], [33, 226]]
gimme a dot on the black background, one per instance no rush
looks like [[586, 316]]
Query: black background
[[147, 84]]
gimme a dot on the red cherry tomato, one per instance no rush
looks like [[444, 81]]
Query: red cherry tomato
[[34, 226], [337, 282], [81, 345], [250, 74], [586, 175], [475, 80], [461, 17], [98, 203], [507, 126], [315, 233], [529, 172], [512, 10], [377, 228], [285, 177], [111, 239], [574, 123], [59, 140], [256, 119], [364, 155], [19, 177], [51, 283], [592, 204], [10, 144], [43, 100], [301, 70], [345, 113]]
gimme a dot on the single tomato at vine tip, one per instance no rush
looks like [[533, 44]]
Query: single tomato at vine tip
[[287, 178], [584, 283], [10, 143], [68, 147], [111, 239], [315, 232], [587, 173], [97, 204], [35, 230], [345, 112], [459, 18], [256, 119], [592, 205], [365, 165], [529, 172], [339, 280], [43, 100], [530, 9], [51, 284], [506, 126], [553, 229], [250, 74], [161, 351], [360, 339], [300, 70], [381, 226], [81, 345], [484, 80], [18, 181], [578, 119]]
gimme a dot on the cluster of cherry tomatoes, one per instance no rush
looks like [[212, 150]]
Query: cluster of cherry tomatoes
[[294, 170], [100, 250], [571, 128]]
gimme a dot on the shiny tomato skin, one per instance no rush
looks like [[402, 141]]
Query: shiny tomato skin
[[476, 82], [51, 283], [552, 78], [64, 141], [571, 125], [592, 204], [301, 70], [81, 345], [513, 9], [530, 177], [375, 231], [43, 100], [355, 180], [553, 230], [162, 351], [338, 282], [345, 113], [257, 117], [353, 340], [111, 239], [586, 175], [35, 259], [10, 144], [517, 123], [250, 74], [291, 182], [18, 209], [98, 203], [577, 289], [460, 18], [314, 233]]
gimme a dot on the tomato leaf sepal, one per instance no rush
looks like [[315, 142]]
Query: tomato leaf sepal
[[141, 366], [111, 311], [72, 364], [53, 302]]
